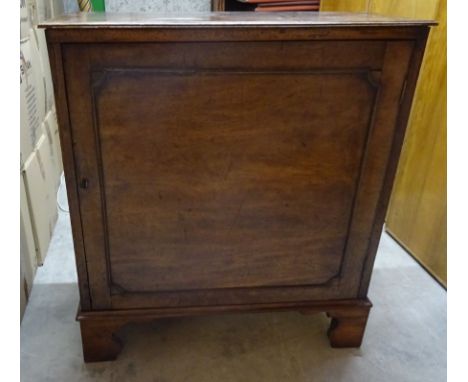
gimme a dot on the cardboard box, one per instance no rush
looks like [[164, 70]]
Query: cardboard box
[[38, 10], [39, 75], [41, 193], [28, 261], [29, 114], [47, 158], [52, 134], [25, 22], [40, 44], [41, 10], [32, 103]]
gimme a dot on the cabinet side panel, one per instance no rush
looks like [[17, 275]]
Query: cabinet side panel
[[405, 102]]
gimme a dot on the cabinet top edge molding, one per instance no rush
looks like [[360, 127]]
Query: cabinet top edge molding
[[227, 19]]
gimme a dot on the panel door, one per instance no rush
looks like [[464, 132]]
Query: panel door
[[230, 173]]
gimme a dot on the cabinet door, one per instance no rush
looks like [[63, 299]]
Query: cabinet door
[[226, 173]]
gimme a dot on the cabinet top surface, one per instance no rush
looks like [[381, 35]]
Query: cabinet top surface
[[234, 19]]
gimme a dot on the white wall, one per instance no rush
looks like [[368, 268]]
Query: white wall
[[158, 5], [147, 6], [70, 6]]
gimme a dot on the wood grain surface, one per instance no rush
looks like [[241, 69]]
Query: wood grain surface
[[217, 168], [239, 172], [417, 215]]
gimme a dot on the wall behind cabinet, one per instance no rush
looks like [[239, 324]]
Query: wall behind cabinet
[[417, 214]]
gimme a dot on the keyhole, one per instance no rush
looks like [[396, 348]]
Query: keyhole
[[84, 183]]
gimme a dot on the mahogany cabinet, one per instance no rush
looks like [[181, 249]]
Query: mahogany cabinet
[[229, 162]]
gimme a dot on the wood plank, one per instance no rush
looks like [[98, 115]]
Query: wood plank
[[344, 5], [405, 8], [417, 212]]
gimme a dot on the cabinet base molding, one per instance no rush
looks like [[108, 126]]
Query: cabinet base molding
[[99, 329]]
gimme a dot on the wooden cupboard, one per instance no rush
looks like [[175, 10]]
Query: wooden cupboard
[[229, 162]]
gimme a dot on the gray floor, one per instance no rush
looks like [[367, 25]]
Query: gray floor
[[405, 338]]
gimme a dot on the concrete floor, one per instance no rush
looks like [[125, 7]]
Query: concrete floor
[[405, 338]]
